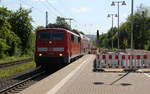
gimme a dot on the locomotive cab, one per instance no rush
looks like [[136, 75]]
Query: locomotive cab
[[51, 46]]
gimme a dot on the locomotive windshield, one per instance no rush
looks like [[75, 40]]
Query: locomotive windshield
[[51, 35]]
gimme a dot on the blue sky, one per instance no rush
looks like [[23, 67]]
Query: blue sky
[[89, 15]]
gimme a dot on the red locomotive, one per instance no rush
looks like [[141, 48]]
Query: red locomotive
[[58, 46]]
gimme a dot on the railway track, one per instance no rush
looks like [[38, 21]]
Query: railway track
[[13, 63], [21, 85], [18, 83]]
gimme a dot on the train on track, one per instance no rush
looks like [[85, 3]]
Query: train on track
[[58, 46]]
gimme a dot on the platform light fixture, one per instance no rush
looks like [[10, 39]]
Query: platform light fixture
[[112, 16], [118, 3]]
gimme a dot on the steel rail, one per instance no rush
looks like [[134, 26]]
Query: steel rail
[[20, 83]]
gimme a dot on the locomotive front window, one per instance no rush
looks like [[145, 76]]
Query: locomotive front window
[[44, 36], [58, 35], [51, 35]]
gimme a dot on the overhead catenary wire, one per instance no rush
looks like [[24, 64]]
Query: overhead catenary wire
[[55, 8], [53, 11], [60, 13], [74, 19], [36, 9], [50, 10], [46, 8]]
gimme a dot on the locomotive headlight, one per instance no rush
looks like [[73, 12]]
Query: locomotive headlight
[[40, 54], [60, 54]]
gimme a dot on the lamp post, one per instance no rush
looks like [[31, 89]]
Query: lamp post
[[132, 24], [112, 16], [118, 3], [142, 31]]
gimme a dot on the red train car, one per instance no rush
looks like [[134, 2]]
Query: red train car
[[85, 44], [56, 44]]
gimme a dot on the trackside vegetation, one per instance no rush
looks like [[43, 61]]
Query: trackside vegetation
[[16, 36], [13, 58], [15, 69]]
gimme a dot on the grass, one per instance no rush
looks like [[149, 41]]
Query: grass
[[15, 69], [7, 59]]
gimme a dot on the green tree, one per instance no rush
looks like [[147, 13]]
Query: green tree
[[125, 28], [39, 27], [125, 31], [60, 23], [3, 48], [21, 25], [97, 34], [9, 41], [105, 40]]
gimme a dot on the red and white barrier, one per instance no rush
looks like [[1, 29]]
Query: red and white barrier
[[122, 61]]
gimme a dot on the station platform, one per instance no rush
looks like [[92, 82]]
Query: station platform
[[79, 78]]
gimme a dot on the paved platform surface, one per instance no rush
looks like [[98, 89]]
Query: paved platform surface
[[79, 78]]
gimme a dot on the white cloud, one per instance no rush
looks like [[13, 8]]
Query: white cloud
[[80, 10]]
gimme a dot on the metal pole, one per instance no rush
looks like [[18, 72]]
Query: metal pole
[[20, 4], [118, 25], [46, 19], [142, 31], [0, 4], [132, 24], [70, 19], [70, 22], [113, 4], [112, 20], [112, 30]]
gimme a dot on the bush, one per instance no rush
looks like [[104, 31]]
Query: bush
[[3, 48]]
